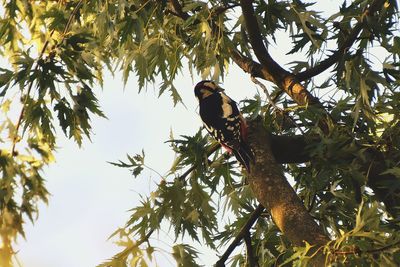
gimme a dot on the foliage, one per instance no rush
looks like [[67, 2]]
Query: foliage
[[57, 50]]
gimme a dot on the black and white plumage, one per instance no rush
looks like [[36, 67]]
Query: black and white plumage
[[223, 120]]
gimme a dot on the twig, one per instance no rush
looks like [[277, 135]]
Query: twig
[[181, 178], [125, 253], [221, 9], [178, 11], [272, 103], [356, 250], [245, 229], [21, 114], [46, 44], [71, 17], [312, 203], [382, 248]]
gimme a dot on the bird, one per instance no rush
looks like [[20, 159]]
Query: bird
[[223, 120]]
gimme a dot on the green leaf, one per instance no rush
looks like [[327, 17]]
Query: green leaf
[[394, 171], [184, 255], [5, 79], [135, 164]]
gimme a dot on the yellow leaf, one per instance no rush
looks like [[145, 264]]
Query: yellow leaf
[[5, 107]]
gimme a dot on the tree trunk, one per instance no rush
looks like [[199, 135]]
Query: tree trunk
[[273, 191]]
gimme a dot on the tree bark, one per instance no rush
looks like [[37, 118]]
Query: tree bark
[[270, 69], [273, 191]]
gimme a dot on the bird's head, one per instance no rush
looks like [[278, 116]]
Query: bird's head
[[206, 88]]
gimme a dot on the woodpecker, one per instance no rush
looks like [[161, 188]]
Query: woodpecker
[[223, 120]]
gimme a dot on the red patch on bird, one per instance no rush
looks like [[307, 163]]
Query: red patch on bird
[[227, 148]]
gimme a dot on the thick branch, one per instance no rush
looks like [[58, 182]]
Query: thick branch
[[274, 192], [293, 149], [288, 83], [271, 70], [351, 38], [257, 43]]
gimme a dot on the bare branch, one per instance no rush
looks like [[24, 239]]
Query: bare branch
[[250, 254], [245, 229]]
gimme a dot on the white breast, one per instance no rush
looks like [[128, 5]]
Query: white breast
[[226, 105]]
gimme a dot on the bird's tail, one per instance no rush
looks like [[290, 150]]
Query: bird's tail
[[244, 155]]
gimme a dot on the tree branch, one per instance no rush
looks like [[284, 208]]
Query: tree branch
[[382, 248], [245, 229], [249, 66], [293, 149], [271, 70], [257, 42], [221, 9], [268, 69], [245, 63], [351, 38]]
